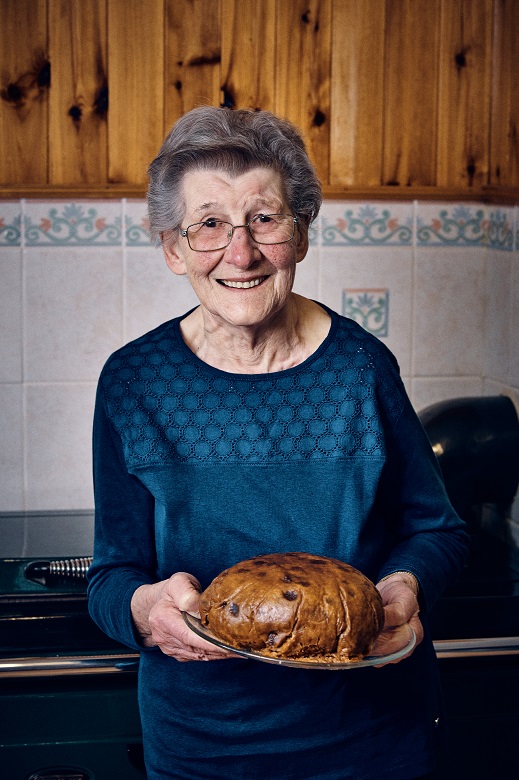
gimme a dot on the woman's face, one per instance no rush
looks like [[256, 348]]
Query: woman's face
[[268, 269]]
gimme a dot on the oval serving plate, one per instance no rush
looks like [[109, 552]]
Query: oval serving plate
[[306, 663]]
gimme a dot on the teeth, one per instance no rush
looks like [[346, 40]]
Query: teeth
[[243, 285]]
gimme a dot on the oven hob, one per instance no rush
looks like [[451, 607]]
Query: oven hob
[[69, 692]]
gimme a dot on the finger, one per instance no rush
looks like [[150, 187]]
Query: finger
[[182, 652], [389, 645], [392, 640], [185, 657], [400, 602], [399, 611], [185, 589], [185, 637], [416, 625]]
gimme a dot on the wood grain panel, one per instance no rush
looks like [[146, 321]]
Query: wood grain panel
[[136, 87], [25, 79], [411, 92], [302, 86], [193, 56], [395, 98], [464, 93], [78, 100], [248, 53], [505, 98], [357, 92]]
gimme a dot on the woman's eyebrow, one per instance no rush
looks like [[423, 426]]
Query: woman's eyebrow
[[272, 203], [204, 206]]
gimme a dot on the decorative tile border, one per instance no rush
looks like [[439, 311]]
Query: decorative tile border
[[452, 225], [73, 224], [136, 223], [465, 225], [370, 224], [10, 223], [500, 229], [125, 223], [368, 307]]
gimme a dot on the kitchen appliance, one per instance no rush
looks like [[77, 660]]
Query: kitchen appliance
[[476, 624], [68, 693]]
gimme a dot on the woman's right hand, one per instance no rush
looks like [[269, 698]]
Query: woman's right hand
[[157, 614]]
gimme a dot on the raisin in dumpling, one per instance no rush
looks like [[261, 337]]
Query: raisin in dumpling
[[294, 605]]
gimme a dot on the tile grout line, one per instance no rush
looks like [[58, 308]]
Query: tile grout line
[[25, 486], [514, 260], [319, 255], [124, 292], [414, 243]]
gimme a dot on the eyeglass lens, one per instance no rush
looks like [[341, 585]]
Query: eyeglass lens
[[265, 229]]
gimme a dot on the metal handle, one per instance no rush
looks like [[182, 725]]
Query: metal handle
[[78, 664], [129, 662], [70, 567], [45, 572], [471, 648]]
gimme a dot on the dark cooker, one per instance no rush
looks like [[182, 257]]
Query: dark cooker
[[68, 693]]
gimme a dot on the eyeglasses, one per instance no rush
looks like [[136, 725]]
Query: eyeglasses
[[213, 234]]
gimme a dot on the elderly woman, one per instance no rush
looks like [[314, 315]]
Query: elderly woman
[[261, 422]]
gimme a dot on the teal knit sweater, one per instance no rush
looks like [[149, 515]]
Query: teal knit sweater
[[196, 469]]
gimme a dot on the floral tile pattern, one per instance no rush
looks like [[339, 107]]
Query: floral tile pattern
[[125, 223], [370, 308], [136, 223], [367, 224], [73, 224], [458, 225], [10, 223], [500, 229]]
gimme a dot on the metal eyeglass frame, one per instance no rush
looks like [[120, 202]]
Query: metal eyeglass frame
[[184, 232]]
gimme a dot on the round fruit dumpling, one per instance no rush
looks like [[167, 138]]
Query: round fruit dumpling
[[294, 605]]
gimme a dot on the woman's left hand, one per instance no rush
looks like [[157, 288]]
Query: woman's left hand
[[399, 596]]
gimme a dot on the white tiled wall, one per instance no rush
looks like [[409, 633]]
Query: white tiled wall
[[439, 284]]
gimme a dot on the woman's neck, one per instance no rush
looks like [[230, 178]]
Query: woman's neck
[[286, 341]]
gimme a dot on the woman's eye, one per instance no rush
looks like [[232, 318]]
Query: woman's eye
[[210, 223], [263, 218]]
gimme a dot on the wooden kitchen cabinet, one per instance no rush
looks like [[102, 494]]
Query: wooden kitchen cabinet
[[395, 98]]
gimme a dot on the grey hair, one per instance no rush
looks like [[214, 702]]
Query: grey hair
[[234, 141]]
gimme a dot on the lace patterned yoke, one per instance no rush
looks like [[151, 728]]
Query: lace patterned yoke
[[167, 405]]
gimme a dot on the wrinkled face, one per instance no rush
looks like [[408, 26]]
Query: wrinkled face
[[247, 283]]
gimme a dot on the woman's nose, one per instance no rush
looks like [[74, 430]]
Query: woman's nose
[[242, 251]]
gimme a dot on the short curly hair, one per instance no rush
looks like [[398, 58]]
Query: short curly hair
[[235, 141]]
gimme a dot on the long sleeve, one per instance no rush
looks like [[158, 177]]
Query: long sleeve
[[124, 553], [431, 541]]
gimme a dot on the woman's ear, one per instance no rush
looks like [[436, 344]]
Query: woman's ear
[[302, 240], [174, 260]]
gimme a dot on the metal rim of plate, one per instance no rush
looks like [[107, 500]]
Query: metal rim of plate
[[195, 625]]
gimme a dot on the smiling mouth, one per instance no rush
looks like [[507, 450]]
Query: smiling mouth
[[242, 285]]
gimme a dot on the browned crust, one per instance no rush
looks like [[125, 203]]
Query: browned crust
[[294, 605]]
